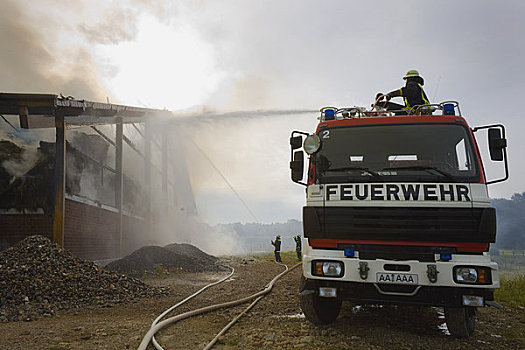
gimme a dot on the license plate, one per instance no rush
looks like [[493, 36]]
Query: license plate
[[396, 278]]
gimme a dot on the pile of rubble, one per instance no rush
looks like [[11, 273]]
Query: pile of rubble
[[182, 257], [38, 278], [192, 252]]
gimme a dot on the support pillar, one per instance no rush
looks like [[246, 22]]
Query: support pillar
[[147, 173], [119, 179], [164, 150], [23, 115], [60, 180]]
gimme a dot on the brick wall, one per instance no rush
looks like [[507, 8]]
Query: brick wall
[[90, 231], [15, 227]]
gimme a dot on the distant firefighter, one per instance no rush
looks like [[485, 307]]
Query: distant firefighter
[[298, 249], [277, 248]]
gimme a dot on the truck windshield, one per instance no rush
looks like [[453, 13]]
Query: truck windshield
[[396, 152]]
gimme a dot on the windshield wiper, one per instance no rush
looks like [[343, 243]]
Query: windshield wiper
[[421, 167], [371, 172]]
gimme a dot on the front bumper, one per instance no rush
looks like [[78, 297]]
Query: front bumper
[[372, 293], [435, 284]]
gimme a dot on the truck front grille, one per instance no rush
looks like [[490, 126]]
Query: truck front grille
[[401, 224]]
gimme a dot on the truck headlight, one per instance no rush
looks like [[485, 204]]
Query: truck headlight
[[466, 275], [472, 275], [327, 268], [312, 143]]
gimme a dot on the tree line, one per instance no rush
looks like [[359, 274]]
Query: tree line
[[511, 222]]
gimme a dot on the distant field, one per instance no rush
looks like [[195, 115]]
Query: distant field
[[512, 290], [511, 263], [512, 276], [511, 252]]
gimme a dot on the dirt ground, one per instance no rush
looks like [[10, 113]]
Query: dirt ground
[[275, 322]]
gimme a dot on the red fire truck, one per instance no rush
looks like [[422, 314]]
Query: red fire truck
[[397, 212]]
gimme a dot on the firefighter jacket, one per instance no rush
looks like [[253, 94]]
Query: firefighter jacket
[[414, 95], [297, 240], [277, 245]]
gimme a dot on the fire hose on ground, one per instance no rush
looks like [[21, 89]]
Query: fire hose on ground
[[155, 327], [153, 340]]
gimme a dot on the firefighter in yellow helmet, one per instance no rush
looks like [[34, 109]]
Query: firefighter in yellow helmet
[[298, 249], [412, 93], [277, 248]]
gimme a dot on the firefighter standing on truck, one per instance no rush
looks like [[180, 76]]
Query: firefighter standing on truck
[[412, 93], [297, 240], [277, 248]]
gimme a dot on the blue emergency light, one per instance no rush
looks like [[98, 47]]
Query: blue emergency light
[[445, 256], [448, 109], [329, 114], [349, 252]]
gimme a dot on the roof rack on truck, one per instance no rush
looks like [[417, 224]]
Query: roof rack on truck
[[334, 113]]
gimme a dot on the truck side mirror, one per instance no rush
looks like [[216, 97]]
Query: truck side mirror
[[297, 166], [296, 142], [496, 144], [297, 157], [497, 147]]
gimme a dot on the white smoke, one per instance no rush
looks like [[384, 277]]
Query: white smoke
[[190, 229], [63, 55], [175, 215], [28, 142], [19, 168]]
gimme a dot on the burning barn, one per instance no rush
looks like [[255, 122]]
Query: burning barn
[[75, 190]]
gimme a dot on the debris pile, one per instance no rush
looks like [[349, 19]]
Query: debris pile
[[184, 257], [38, 278], [192, 252]]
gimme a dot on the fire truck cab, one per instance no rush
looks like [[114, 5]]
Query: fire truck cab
[[397, 212]]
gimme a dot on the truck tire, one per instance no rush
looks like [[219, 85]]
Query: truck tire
[[318, 310], [461, 321]]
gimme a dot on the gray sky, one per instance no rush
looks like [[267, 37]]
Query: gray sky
[[260, 55]]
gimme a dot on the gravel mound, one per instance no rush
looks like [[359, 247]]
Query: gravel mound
[[147, 259], [38, 278], [192, 252]]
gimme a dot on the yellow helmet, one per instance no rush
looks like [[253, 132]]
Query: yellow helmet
[[411, 73]]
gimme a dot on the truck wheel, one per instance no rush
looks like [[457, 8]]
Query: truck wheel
[[318, 310], [461, 321]]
